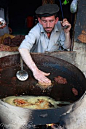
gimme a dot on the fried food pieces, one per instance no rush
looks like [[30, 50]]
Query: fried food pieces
[[32, 102], [60, 80], [44, 85]]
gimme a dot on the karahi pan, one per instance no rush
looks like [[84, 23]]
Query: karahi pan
[[11, 116]]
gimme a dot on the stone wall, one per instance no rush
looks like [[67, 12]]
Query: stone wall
[[80, 59]]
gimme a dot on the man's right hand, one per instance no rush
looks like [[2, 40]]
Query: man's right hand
[[38, 74], [41, 76]]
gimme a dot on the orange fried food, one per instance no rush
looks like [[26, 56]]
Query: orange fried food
[[44, 85], [75, 92], [42, 104], [20, 102], [60, 80]]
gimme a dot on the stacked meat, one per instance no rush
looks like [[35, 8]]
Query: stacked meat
[[13, 42]]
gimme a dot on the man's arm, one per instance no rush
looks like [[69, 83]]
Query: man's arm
[[38, 74], [67, 42]]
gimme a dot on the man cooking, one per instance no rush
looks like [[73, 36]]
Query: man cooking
[[47, 35]]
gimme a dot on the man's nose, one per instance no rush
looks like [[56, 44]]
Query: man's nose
[[48, 24]]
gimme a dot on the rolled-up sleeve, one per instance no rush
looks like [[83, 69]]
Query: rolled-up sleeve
[[30, 39]]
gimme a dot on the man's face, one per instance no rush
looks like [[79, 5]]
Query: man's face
[[48, 23]]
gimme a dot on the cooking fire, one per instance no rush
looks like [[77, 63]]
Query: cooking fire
[[49, 126]]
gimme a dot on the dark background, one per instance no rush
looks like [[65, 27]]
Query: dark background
[[19, 10]]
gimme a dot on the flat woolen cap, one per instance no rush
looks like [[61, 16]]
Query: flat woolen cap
[[47, 9]]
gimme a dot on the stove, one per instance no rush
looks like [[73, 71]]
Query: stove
[[50, 126]]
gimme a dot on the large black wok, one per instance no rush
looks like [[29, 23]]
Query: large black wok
[[19, 118]]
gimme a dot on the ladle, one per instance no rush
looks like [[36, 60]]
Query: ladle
[[22, 75]]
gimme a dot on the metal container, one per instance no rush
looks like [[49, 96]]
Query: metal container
[[13, 117]]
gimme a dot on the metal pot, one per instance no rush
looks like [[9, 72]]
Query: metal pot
[[20, 118]]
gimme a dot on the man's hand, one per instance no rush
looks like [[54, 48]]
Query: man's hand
[[41, 76], [66, 25], [38, 74]]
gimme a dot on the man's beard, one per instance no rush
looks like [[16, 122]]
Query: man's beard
[[48, 29]]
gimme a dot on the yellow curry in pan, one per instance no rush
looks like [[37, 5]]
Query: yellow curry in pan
[[33, 102]]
